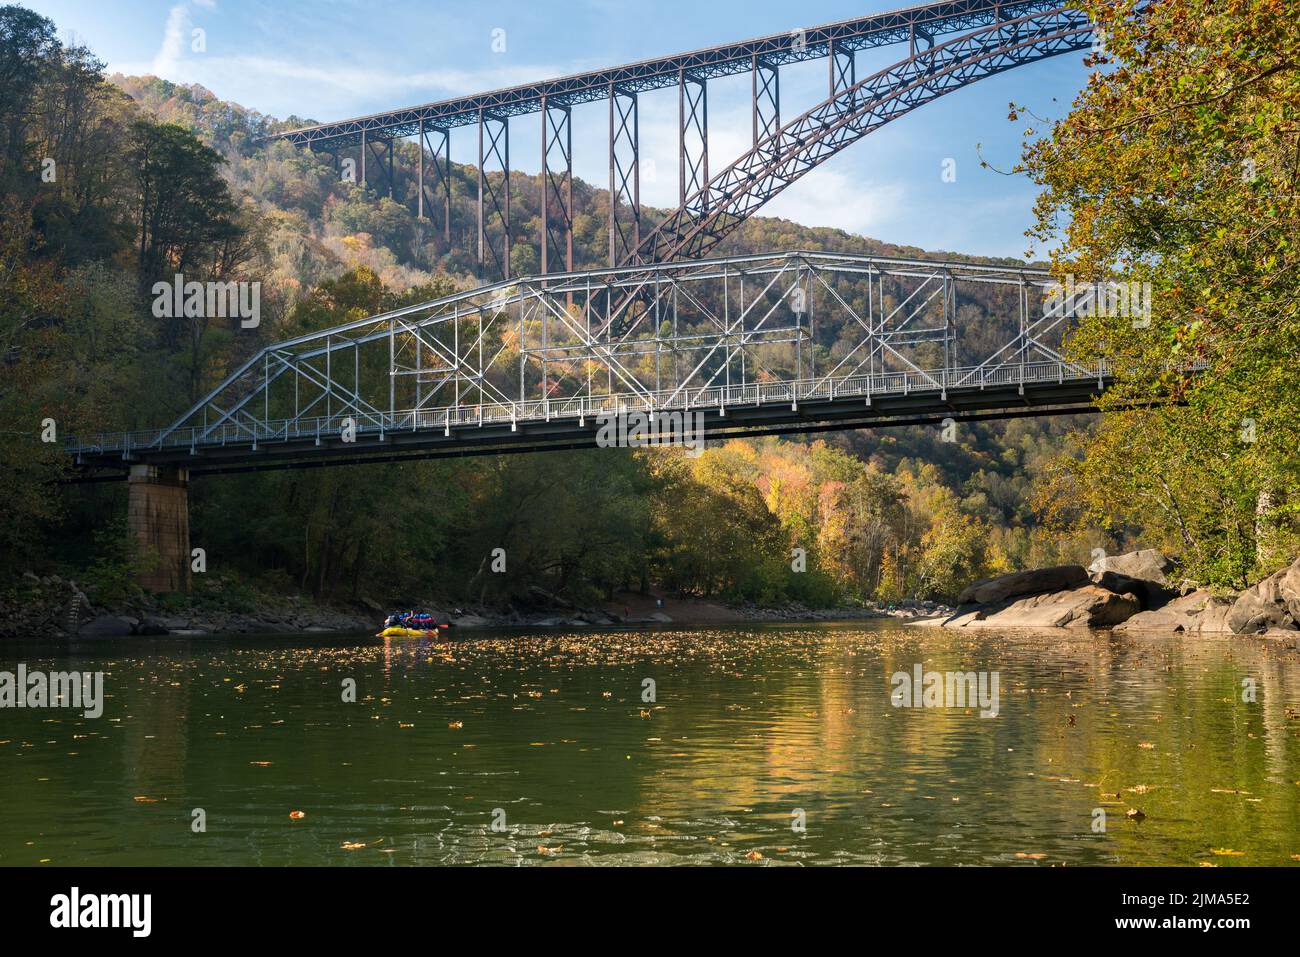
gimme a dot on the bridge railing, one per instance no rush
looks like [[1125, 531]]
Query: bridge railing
[[249, 432]]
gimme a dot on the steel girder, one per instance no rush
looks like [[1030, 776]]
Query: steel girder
[[897, 26], [727, 334], [709, 214]]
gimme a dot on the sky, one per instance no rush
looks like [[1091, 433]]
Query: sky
[[332, 59]]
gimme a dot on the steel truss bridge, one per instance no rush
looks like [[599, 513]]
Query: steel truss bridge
[[950, 44], [786, 342]]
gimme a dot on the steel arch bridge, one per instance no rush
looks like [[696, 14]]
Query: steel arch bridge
[[950, 43], [785, 342]]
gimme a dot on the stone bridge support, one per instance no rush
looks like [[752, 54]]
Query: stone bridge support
[[158, 516]]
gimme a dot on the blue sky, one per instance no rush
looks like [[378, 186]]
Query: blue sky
[[330, 59]]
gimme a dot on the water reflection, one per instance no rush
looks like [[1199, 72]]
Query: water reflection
[[751, 730]]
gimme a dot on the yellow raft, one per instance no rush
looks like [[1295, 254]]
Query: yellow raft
[[411, 632]]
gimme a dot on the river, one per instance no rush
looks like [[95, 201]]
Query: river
[[763, 745]]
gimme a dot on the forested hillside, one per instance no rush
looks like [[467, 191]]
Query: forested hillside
[[150, 178]]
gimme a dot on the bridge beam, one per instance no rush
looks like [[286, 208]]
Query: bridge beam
[[158, 518]]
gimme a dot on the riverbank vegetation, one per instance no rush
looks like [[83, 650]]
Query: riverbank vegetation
[[1179, 166], [110, 184]]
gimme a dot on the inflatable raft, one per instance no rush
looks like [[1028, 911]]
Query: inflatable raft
[[399, 632]]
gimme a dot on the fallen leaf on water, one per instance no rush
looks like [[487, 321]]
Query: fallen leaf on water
[[753, 856], [542, 849], [297, 815], [456, 724], [351, 846], [1146, 745], [260, 764], [1227, 852], [1032, 857], [145, 800], [1135, 813]]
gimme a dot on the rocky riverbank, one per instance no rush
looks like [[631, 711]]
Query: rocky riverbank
[[1131, 594], [55, 607]]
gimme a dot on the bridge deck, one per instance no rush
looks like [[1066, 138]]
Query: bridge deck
[[856, 401]]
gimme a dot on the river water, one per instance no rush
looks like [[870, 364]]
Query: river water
[[763, 745]]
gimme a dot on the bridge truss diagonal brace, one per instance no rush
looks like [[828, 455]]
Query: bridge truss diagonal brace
[[435, 195], [494, 198], [624, 174], [1028, 343]]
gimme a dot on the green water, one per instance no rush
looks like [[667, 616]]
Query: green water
[[749, 727]]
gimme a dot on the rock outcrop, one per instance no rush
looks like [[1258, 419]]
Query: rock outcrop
[[1033, 582], [1088, 606], [1273, 603], [1198, 613], [1066, 596]]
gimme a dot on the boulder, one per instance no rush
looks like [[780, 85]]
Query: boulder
[[1147, 564], [1198, 613], [1033, 582], [152, 626], [1088, 606], [1142, 573], [1273, 603], [106, 626]]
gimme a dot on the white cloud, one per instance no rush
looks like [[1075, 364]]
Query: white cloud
[[829, 197]]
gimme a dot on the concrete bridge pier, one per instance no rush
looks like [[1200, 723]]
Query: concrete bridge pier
[[158, 516]]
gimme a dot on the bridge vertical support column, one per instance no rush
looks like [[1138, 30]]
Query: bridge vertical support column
[[158, 517], [693, 155], [843, 67], [624, 175], [494, 201], [766, 92], [441, 193], [383, 157], [557, 195]]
